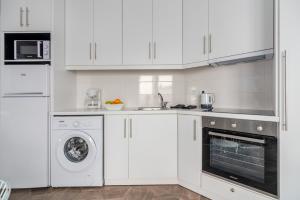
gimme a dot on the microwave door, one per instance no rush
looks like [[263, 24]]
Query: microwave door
[[29, 49]]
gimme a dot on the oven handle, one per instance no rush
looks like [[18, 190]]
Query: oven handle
[[238, 137]]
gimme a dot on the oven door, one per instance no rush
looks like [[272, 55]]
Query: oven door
[[241, 157], [28, 50]]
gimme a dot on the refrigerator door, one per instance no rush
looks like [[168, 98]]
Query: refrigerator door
[[25, 80], [23, 141]]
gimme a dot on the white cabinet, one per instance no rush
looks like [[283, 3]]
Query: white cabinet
[[195, 31], [140, 149], [108, 32], [79, 35], [153, 148], [152, 32], [116, 156], [240, 27], [216, 188], [167, 32], [93, 32], [137, 32], [26, 15], [189, 151], [290, 98]]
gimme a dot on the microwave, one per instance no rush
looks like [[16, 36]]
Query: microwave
[[31, 50]]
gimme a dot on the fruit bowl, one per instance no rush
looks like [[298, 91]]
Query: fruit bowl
[[113, 106]]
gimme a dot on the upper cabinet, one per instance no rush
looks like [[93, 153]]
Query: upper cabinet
[[195, 31], [163, 34], [26, 15], [239, 27], [152, 32], [167, 32], [217, 30], [137, 32], [93, 32]]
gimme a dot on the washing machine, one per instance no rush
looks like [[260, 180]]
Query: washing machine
[[77, 151]]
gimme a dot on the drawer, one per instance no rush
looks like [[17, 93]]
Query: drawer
[[25, 80], [228, 191]]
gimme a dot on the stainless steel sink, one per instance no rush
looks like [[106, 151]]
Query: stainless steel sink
[[150, 108]]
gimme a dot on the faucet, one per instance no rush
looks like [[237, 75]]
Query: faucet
[[163, 104]]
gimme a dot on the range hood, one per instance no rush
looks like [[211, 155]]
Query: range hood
[[244, 58]]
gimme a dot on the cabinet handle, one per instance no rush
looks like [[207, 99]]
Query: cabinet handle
[[195, 130], [125, 128], [90, 51], [284, 91], [210, 43], [154, 50], [130, 127], [21, 17], [95, 51], [150, 51], [27, 16], [204, 45]]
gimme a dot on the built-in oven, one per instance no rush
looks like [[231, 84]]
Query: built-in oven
[[242, 151]]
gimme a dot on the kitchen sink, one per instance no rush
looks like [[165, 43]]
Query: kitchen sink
[[150, 108]]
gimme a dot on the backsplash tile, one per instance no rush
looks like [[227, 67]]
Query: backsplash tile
[[248, 86], [135, 88]]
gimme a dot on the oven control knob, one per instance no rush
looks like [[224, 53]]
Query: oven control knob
[[259, 128], [212, 123], [234, 125], [76, 124]]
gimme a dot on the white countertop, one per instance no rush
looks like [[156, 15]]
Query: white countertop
[[135, 111]]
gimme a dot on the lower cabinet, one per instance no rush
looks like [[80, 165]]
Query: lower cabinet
[[218, 189], [189, 151], [140, 149]]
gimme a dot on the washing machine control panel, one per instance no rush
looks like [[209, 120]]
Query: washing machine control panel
[[83, 123]]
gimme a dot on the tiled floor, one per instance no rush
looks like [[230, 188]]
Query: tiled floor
[[169, 192]]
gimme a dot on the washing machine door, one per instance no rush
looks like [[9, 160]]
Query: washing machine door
[[76, 151]]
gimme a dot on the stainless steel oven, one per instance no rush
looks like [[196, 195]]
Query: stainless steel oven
[[242, 151]]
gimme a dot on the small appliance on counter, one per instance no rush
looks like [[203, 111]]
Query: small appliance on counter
[[93, 98], [206, 101]]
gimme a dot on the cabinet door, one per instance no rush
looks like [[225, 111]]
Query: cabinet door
[[290, 98], [26, 15], [79, 37], [38, 15], [115, 149], [108, 32], [195, 31], [12, 14], [167, 44], [137, 32], [189, 151], [239, 27], [153, 148]]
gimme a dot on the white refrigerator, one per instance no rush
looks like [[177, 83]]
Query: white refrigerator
[[24, 107]]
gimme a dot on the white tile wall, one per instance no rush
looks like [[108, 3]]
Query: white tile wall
[[135, 88], [246, 86]]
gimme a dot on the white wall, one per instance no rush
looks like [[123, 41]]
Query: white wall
[[246, 86], [63, 82]]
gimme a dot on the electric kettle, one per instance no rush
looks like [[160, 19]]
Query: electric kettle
[[207, 100]]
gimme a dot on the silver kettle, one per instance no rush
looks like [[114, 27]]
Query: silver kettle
[[207, 100]]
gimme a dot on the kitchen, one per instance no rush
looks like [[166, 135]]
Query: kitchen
[[80, 109]]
